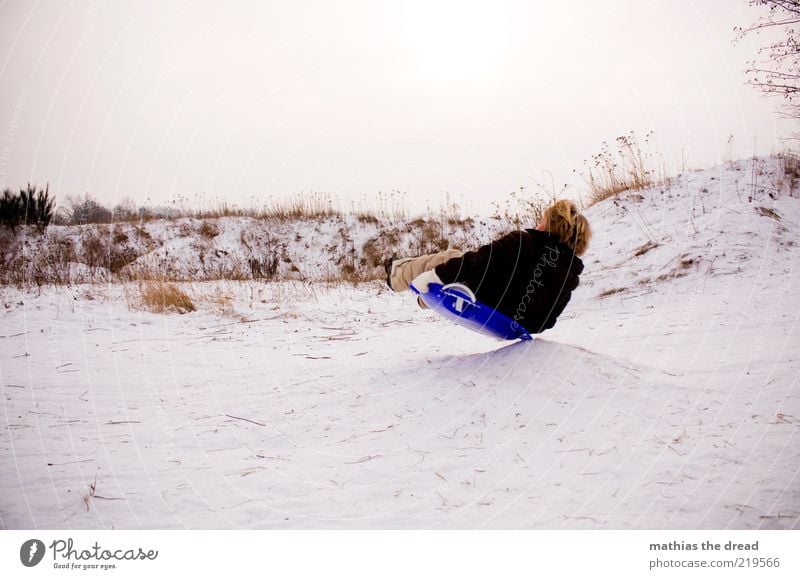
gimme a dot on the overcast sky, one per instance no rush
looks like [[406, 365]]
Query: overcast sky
[[247, 100]]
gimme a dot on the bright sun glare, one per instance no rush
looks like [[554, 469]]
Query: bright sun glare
[[454, 40]]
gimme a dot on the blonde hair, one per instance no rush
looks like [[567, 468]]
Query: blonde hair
[[563, 220]]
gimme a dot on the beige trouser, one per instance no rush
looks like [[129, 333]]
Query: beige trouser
[[405, 270]]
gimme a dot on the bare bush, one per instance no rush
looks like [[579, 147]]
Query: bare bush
[[265, 267], [208, 230], [378, 248], [94, 250], [126, 210], [104, 249], [431, 238], [86, 209]]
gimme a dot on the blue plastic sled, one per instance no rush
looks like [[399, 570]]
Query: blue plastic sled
[[457, 303]]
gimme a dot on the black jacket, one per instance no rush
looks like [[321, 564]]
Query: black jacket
[[527, 275]]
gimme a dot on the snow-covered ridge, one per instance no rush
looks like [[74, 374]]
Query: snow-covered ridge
[[333, 247]]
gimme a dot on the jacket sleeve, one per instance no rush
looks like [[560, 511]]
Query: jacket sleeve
[[473, 265]]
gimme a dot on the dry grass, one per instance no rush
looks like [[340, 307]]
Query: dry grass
[[767, 212], [630, 168], [524, 208], [304, 206], [612, 291], [160, 296], [645, 248], [301, 206], [349, 273], [367, 218], [391, 207], [681, 269]]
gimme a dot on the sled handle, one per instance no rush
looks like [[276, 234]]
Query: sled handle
[[451, 286], [460, 287]]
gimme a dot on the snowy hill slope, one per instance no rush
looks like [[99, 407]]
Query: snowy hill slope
[[697, 276], [666, 396]]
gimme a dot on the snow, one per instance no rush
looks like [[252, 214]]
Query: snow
[[665, 397]]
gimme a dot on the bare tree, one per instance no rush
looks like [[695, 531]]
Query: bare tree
[[776, 71]]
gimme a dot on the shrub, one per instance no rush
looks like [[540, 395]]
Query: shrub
[[209, 230], [31, 206], [38, 206], [119, 235], [120, 256], [10, 211]]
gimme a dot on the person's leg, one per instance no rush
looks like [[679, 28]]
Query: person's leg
[[403, 271]]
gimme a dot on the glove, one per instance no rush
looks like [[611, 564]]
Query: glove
[[422, 281]]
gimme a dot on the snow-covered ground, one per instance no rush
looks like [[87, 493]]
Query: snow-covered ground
[[666, 397]]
